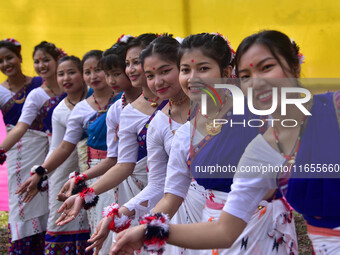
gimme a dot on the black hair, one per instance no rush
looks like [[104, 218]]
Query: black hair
[[12, 47], [98, 54], [278, 44], [74, 59], [165, 46], [142, 41], [48, 48], [114, 57], [212, 45]]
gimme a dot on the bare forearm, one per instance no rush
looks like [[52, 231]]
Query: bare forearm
[[101, 168], [207, 235], [169, 204], [58, 156], [14, 136], [113, 177]]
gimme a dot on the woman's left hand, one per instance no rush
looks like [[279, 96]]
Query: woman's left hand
[[30, 186], [70, 209]]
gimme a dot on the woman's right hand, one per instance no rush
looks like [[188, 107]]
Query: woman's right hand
[[99, 236], [66, 190], [69, 209], [129, 240]]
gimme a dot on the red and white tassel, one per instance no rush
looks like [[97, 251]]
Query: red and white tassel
[[117, 224]]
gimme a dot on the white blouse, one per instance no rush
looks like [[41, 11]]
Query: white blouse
[[131, 123], [159, 140], [249, 188], [112, 122], [33, 103], [5, 95], [59, 119], [80, 114], [178, 177]]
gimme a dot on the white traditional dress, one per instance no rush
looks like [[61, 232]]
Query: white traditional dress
[[73, 236]]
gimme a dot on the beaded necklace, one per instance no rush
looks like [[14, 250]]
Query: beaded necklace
[[101, 110], [22, 100], [153, 102], [81, 97], [179, 102], [50, 89], [292, 156]]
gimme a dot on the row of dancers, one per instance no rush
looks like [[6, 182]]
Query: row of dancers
[[121, 156]]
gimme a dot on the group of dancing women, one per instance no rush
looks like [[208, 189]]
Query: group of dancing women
[[108, 154]]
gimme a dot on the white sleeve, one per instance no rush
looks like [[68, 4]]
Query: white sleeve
[[249, 188], [178, 177], [128, 131], [35, 100], [74, 129], [157, 162], [112, 122], [5, 96], [58, 127]]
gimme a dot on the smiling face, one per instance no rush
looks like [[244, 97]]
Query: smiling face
[[194, 66], [162, 77], [117, 80], [69, 77], [93, 75], [134, 68], [10, 64], [44, 64], [257, 69]]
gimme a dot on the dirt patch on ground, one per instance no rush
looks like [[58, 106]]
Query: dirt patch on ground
[[301, 230]]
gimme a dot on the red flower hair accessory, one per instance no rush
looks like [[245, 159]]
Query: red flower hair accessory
[[15, 42], [61, 52], [124, 38]]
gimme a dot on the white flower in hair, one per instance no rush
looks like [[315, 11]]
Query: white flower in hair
[[179, 39], [124, 38], [300, 55]]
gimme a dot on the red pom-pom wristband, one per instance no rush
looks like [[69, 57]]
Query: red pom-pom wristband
[[2, 156], [73, 175], [80, 184], [117, 224], [157, 232], [80, 178], [90, 198]]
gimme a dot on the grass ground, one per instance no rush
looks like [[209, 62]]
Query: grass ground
[[304, 242], [3, 233]]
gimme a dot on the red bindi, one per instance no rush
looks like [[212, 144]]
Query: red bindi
[[90, 67], [251, 64], [192, 61], [153, 68]]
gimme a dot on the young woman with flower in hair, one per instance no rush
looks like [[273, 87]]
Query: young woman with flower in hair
[[159, 62], [270, 226], [28, 141], [87, 116], [113, 64], [71, 238], [133, 126]]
